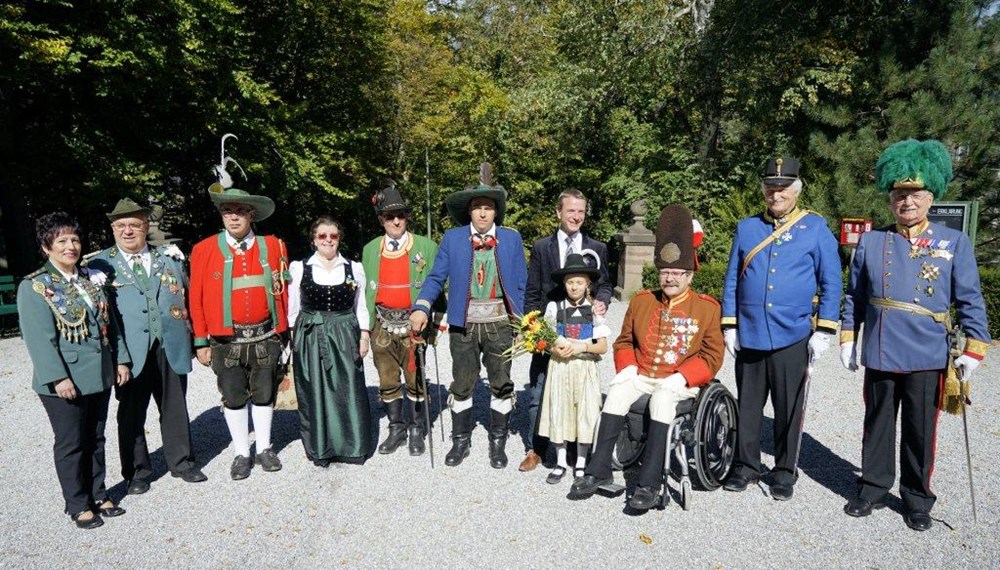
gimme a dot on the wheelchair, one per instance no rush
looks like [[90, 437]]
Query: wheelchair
[[702, 438]]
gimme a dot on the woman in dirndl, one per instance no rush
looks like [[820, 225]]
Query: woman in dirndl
[[326, 307]]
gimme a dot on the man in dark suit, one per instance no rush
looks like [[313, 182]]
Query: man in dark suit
[[547, 255]]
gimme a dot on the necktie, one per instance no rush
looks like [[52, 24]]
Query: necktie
[[244, 246], [569, 248], [394, 245], [141, 277]]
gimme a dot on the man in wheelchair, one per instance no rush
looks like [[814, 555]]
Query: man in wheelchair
[[671, 344]]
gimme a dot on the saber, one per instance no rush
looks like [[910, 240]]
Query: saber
[[807, 377], [968, 453], [422, 365]]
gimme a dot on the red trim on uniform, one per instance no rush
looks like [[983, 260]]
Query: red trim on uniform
[[974, 355], [695, 371], [625, 358]]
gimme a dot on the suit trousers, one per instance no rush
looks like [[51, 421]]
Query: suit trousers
[[537, 372], [169, 390], [78, 448], [781, 373], [918, 394]]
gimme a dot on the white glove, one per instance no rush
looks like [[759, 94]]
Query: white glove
[[174, 252], [732, 341], [849, 356], [627, 374], [964, 365], [818, 343], [98, 278], [675, 382]]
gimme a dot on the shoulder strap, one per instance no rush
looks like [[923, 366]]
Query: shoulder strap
[[767, 241], [227, 280]]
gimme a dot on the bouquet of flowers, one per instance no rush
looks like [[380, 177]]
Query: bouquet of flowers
[[533, 334]]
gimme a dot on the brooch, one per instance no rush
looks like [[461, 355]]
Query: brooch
[[929, 271]]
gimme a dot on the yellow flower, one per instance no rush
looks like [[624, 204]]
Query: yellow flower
[[529, 346], [535, 327]]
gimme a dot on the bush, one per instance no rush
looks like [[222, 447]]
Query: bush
[[989, 277]]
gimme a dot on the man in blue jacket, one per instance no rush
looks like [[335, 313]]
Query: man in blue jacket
[[486, 273], [779, 261], [146, 285]]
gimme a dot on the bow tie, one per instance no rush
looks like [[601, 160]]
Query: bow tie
[[481, 242]]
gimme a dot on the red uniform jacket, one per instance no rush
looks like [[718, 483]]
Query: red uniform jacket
[[662, 337], [215, 304]]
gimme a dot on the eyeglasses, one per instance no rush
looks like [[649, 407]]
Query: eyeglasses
[[331, 237], [901, 196], [235, 210], [134, 226], [389, 216], [673, 273]]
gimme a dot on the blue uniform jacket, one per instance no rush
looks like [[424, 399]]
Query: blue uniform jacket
[[937, 272], [771, 304], [453, 263], [168, 283]]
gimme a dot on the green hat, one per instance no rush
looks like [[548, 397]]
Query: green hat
[[914, 165], [127, 207], [458, 202], [262, 205]]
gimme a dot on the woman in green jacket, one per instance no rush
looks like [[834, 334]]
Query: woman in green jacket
[[77, 354]]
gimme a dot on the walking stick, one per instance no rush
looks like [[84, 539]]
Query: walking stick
[[422, 370]]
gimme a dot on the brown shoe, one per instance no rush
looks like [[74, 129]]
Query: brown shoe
[[531, 460]]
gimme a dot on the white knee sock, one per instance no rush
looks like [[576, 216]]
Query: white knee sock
[[238, 429], [582, 450], [561, 456], [503, 406], [262, 426]]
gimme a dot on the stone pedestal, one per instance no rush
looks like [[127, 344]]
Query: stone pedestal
[[637, 244]]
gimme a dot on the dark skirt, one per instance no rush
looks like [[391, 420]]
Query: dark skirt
[[330, 383]]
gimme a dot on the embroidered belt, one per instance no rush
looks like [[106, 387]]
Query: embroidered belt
[[883, 303], [486, 311], [245, 334], [394, 321]]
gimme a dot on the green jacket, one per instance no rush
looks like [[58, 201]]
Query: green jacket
[[66, 338], [421, 252]]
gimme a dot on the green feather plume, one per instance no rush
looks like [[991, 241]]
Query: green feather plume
[[926, 163]]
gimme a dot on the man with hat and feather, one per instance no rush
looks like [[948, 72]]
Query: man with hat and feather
[[780, 261], [397, 264], [239, 307], [147, 286], [670, 345], [905, 280], [484, 266]]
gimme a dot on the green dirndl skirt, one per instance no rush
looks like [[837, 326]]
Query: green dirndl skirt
[[330, 384]]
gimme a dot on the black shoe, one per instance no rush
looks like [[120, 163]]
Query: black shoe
[[781, 491], [110, 511], [93, 522], [918, 520], [416, 444], [556, 475], [240, 468], [498, 439], [324, 463], [586, 486], [858, 507], [138, 486], [268, 460], [644, 498], [192, 475], [397, 427], [739, 481], [461, 437]]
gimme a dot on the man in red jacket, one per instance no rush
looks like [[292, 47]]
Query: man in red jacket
[[239, 308]]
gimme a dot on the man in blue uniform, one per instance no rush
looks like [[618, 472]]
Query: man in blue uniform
[[905, 278], [780, 260], [147, 287]]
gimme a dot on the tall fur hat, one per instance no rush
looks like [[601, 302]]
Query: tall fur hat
[[914, 165], [675, 239]]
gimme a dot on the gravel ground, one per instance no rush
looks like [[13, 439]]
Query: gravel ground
[[396, 511]]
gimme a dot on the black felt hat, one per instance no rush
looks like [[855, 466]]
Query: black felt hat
[[388, 199], [586, 262], [781, 171], [675, 239]]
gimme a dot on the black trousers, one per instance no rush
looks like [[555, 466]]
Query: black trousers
[[169, 390], [78, 449], [780, 373], [537, 372], [917, 393]]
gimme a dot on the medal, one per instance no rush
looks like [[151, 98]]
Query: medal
[[177, 312]]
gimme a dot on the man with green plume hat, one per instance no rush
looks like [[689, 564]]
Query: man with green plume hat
[[905, 279]]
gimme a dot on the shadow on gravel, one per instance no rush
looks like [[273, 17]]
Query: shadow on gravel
[[818, 462]]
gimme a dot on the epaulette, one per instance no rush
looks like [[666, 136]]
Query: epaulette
[[86, 258], [708, 297], [34, 274]]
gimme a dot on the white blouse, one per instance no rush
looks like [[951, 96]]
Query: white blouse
[[335, 276]]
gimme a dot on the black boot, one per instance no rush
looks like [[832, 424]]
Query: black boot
[[651, 472], [498, 439], [599, 467], [461, 437], [418, 426], [397, 427]]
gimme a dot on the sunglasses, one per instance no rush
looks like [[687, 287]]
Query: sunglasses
[[324, 237]]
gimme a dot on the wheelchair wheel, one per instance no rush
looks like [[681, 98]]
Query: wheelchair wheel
[[715, 435], [631, 441]]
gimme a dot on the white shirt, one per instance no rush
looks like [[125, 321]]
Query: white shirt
[[577, 244], [335, 276], [144, 255], [490, 232], [249, 239], [401, 240]]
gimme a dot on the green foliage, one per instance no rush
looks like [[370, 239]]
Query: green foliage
[[989, 279]]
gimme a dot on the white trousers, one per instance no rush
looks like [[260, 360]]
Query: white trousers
[[663, 399]]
